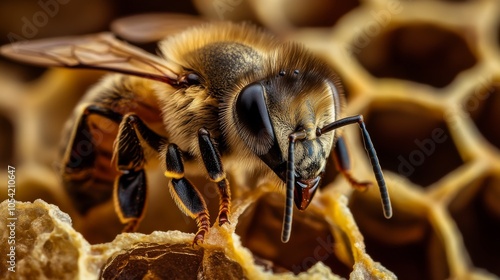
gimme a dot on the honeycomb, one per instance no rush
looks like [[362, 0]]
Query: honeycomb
[[426, 77]]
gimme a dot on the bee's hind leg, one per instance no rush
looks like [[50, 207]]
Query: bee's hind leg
[[343, 163], [185, 195], [130, 188]]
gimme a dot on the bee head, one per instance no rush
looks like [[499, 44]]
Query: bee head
[[272, 111]]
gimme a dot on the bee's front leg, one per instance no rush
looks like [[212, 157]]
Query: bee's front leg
[[185, 195], [213, 164], [343, 163]]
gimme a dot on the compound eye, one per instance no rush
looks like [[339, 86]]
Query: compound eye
[[255, 123]]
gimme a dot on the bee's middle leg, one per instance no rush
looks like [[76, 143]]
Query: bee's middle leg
[[343, 163], [185, 195]]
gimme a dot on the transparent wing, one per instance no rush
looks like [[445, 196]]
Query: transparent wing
[[98, 51], [146, 28]]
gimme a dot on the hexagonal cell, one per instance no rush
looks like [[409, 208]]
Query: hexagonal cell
[[421, 53], [170, 261], [6, 141], [317, 12], [484, 108], [477, 215], [406, 244], [412, 141], [311, 240]]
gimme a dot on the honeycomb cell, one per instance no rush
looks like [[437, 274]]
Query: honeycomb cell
[[170, 261], [421, 53], [6, 141], [43, 250], [477, 216], [484, 108], [410, 261], [311, 240], [318, 12], [406, 244], [424, 143]]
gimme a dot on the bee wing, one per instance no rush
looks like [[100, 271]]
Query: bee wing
[[146, 28], [99, 51]]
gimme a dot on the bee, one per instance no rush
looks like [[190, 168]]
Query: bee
[[227, 95]]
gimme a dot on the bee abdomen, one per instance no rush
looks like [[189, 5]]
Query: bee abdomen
[[88, 173]]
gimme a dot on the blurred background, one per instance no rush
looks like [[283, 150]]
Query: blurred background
[[425, 75]]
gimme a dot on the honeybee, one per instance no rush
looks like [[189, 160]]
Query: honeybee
[[227, 95]]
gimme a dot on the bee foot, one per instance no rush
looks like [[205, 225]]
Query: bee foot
[[131, 226], [200, 237], [223, 218]]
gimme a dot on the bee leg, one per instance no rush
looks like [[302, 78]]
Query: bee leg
[[343, 163], [185, 195], [213, 164], [130, 198], [130, 186]]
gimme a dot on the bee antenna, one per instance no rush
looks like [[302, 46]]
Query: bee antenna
[[290, 184], [377, 170]]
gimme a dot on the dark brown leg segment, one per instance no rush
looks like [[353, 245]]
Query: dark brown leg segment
[[343, 162]]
